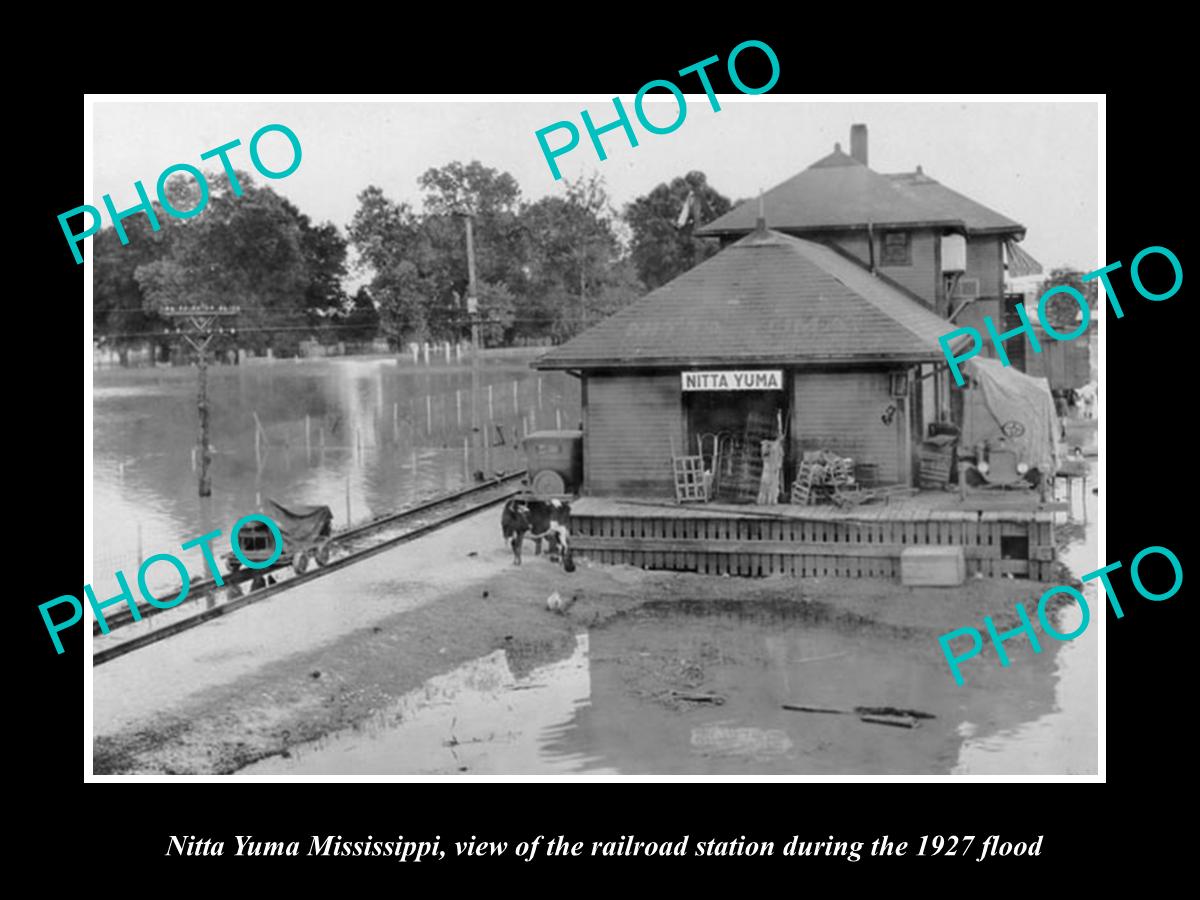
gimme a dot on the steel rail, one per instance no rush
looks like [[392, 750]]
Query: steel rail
[[206, 586], [109, 653]]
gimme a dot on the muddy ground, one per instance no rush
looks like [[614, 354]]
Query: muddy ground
[[322, 689]]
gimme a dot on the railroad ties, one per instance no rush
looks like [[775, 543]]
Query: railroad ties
[[351, 545]]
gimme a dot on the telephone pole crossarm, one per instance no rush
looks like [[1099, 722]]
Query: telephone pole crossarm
[[201, 324]]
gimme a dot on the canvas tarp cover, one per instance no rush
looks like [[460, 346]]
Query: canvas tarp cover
[[300, 525], [1009, 395]]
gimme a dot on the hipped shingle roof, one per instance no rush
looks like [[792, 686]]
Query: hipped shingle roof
[[768, 299], [840, 192]]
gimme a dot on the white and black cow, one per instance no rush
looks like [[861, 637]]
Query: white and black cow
[[549, 519]]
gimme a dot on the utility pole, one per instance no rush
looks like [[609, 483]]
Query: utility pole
[[473, 313], [201, 324]]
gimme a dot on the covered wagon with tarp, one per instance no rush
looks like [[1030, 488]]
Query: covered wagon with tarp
[[307, 533], [1011, 429]]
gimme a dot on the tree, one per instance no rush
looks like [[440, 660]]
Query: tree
[[473, 188], [324, 251], [497, 310], [418, 262], [660, 249], [1062, 310], [120, 318], [550, 267], [575, 267], [402, 301], [246, 251], [257, 251], [362, 322]]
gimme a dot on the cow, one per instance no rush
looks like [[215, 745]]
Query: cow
[[1087, 399], [549, 519]]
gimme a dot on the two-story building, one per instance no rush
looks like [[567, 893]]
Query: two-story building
[[946, 251], [813, 333]]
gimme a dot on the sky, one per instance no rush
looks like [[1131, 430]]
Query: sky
[[1035, 162]]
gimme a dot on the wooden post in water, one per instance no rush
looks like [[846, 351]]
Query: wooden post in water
[[487, 449], [426, 346], [516, 397], [447, 353], [201, 327], [428, 413], [467, 460], [539, 391], [458, 405], [358, 442], [396, 423], [257, 443], [473, 313], [491, 407]]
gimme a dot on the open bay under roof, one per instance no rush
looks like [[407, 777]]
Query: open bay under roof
[[769, 299]]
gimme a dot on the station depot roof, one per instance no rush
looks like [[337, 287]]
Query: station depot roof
[[838, 191], [768, 299]]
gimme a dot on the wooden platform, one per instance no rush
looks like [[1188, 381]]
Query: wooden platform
[[1000, 535]]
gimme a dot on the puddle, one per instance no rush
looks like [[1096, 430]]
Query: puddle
[[698, 687], [479, 719], [655, 676], [684, 688]]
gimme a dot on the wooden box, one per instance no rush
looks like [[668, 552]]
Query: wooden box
[[932, 566]]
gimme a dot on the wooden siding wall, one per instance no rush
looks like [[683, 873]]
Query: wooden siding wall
[[985, 261], [841, 412], [973, 316], [814, 548], [921, 277], [631, 420], [1065, 364]]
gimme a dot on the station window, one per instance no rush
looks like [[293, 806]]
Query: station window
[[895, 249]]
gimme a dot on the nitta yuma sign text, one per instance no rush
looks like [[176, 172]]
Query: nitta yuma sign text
[[762, 380]]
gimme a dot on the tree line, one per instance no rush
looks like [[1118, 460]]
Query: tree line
[[545, 269]]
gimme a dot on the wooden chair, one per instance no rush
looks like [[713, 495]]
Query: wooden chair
[[691, 485]]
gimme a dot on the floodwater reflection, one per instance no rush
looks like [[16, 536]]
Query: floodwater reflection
[[479, 719], [689, 688], [362, 436]]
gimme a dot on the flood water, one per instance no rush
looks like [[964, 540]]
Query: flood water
[[1064, 740], [364, 436], [632, 698], [378, 435]]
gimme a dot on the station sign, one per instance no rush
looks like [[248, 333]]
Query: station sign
[[734, 380]]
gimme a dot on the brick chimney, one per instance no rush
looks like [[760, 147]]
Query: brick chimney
[[858, 143]]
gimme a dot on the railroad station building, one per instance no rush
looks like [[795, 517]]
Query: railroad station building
[[805, 338], [816, 326]]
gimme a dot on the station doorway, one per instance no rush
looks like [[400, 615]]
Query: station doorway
[[727, 429]]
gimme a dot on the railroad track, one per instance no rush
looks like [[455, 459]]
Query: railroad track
[[350, 546]]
